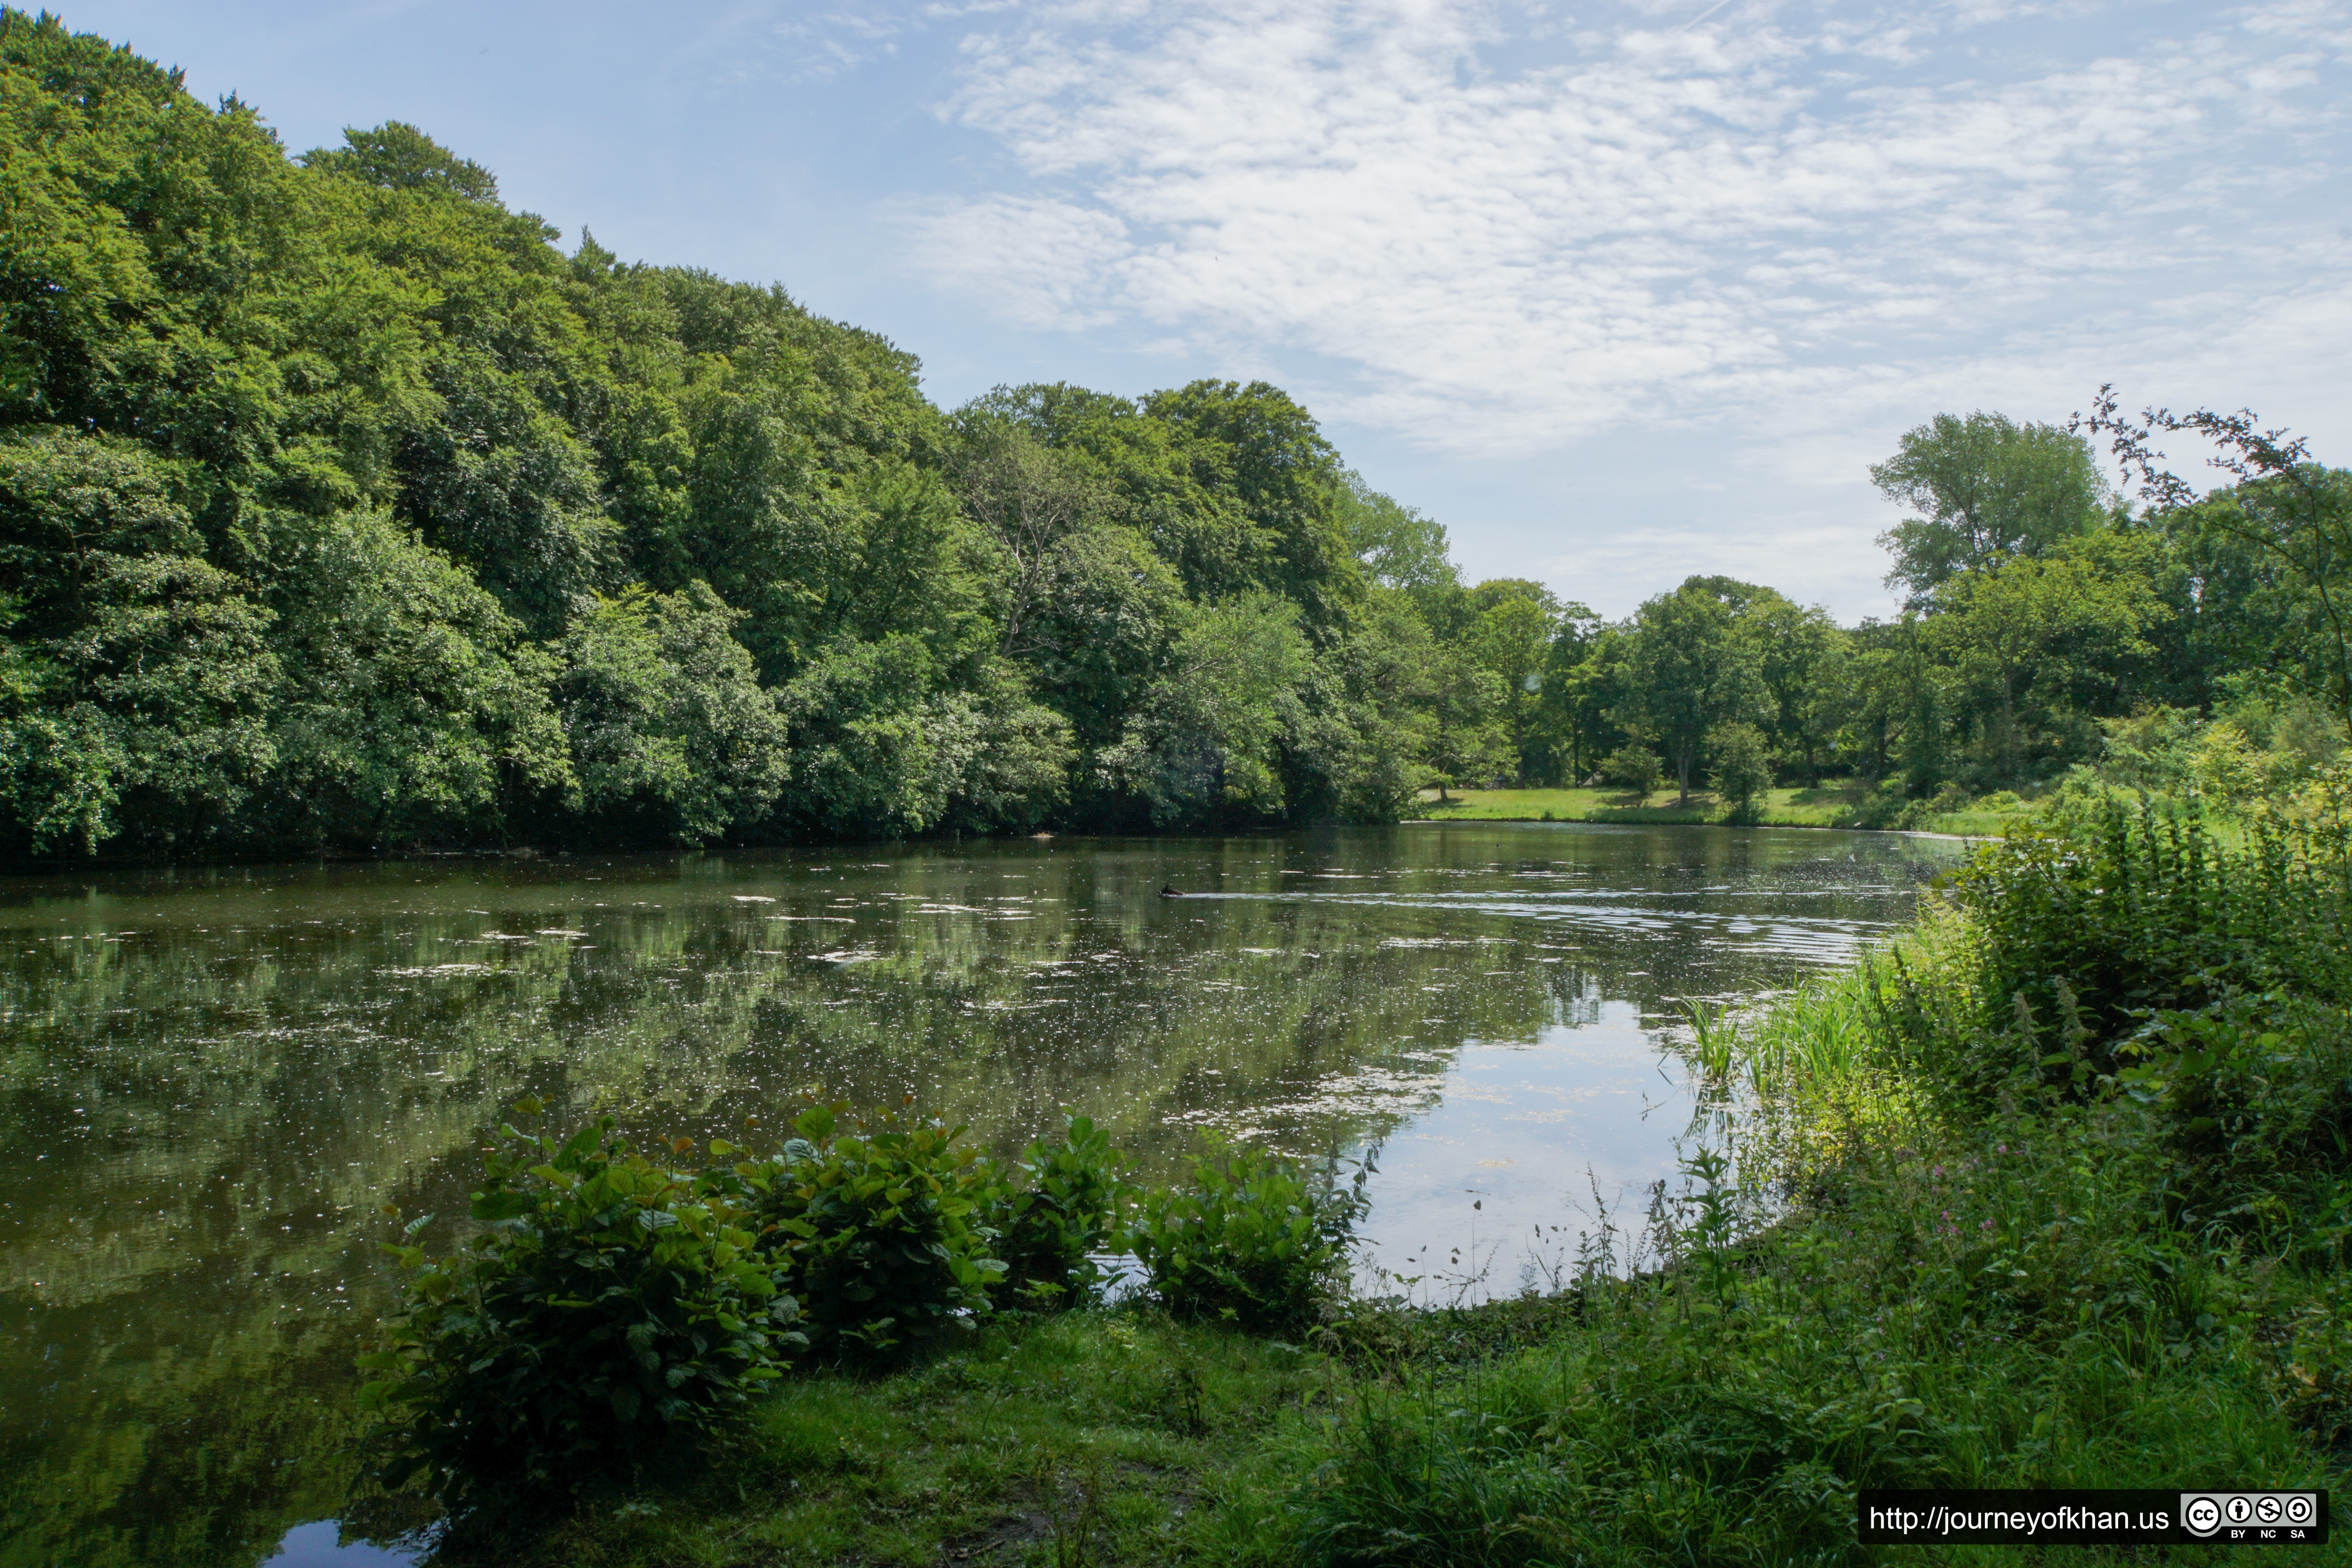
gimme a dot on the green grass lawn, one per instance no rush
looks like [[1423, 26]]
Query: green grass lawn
[[1831, 805], [1779, 808]]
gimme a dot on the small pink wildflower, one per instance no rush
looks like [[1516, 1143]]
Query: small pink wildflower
[[1987, 1225]]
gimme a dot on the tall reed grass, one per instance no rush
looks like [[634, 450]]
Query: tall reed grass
[[1817, 1046], [1810, 1039]]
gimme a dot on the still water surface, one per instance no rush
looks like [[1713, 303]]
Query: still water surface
[[210, 1081]]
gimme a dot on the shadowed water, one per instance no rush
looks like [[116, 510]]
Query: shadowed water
[[210, 1081]]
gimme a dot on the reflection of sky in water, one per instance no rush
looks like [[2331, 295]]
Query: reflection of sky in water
[[219, 1074], [1529, 1134], [319, 1545]]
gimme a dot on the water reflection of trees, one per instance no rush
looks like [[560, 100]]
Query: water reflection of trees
[[221, 1078]]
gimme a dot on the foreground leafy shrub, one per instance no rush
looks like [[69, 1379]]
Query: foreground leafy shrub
[[875, 1218], [2083, 941], [2316, 1383], [1255, 1238], [2256, 1095], [1052, 1211], [611, 1305], [2082, 934]]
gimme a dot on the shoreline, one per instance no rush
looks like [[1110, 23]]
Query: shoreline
[[1727, 1372]]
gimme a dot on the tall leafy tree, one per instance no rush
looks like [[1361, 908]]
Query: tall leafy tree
[[1204, 744], [1511, 634], [672, 735], [1583, 684], [1255, 445], [1399, 547], [1692, 666], [2020, 633], [1375, 726], [411, 705], [2283, 505], [1898, 721], [1983, 489], [1800, 659], [1468, 745]]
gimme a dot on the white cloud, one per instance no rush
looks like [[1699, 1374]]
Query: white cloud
[[1034, 256], [1789, 217]]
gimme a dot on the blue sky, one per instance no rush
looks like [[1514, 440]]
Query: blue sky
[[1619, 292]]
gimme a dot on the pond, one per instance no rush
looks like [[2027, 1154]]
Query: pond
[[214, 1079]]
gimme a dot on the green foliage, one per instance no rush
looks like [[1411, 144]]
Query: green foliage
[[1051, 1212], [1399, 547], [1635, 766], [1369, 740], [878, 748], [2316, 1383], [2258, 752], [877, 1220], [1253, 1238], [1743, 765], [1511, 637], [2029, 636], [1802, 659], [1467, 744], [1693, 667], [2287, 518], [1203, 745], [2088, 935], [611, 1307], [161, 700], [666, 718], [411, 704], [1081, 1438], [57, 769], [1265, 452], [2255, 1093], [1988, 491], [460, 538], [401, 157], [1893, 807]]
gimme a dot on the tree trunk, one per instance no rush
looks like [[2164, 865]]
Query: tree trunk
[[2009, 727]]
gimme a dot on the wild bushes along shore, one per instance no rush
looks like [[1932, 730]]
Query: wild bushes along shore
[[2052, 1192]]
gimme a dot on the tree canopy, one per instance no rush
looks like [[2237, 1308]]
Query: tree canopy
[[342, 507]]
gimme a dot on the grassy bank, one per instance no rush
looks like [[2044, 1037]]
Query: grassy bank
[[1090, 1437], [1830, 804], [2054, 1193]]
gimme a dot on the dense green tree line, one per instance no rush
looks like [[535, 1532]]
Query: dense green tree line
[[339, 509], [2048, 624]]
